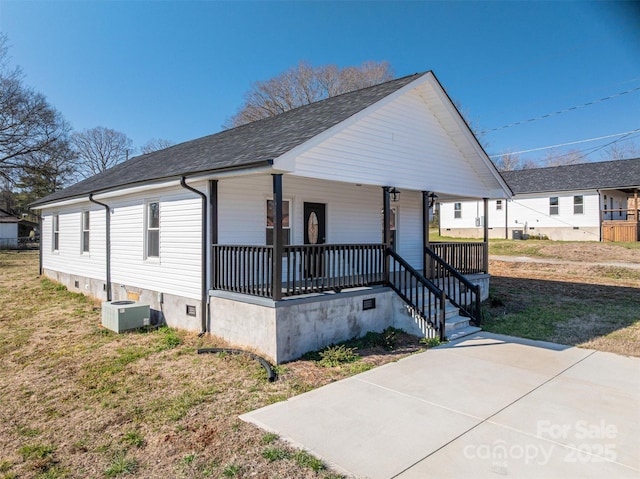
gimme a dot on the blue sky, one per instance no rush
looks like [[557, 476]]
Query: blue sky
[[177, 69]]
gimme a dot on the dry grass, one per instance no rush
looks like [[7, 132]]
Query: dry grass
[[78, 401], [576, 303]]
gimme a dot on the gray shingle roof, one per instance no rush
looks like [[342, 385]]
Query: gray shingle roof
[[253, 144], [619, 174]]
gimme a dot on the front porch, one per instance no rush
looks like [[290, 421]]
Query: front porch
[[329, 293], [284, 299]]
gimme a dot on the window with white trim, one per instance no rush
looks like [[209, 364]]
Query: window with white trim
[[55, 227], [578, 205], [286, 225], [554, 205], [498, 205], [85, 231], [152, 230], [457, 210]]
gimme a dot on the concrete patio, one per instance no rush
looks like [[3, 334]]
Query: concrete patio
[[484, 406]]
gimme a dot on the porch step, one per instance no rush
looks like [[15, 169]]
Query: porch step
[[458, 326], [461, 332]]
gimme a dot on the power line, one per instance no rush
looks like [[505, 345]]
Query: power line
[[593, 102], [565, 144]]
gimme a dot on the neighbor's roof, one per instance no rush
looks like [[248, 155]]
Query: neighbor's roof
[[618, 174], [6, 217], [253, 144]]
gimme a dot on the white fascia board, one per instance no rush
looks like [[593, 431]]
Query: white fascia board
[[286, 161], [156, 185]]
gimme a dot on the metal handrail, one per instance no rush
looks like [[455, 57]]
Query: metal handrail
[[417, 291], [456, 287]]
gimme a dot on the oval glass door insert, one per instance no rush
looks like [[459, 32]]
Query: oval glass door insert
[[312, 228]]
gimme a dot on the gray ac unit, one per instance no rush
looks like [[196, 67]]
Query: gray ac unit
[[121, 316]]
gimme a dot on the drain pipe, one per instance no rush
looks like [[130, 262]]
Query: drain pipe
[[107, 241], [203, 256]]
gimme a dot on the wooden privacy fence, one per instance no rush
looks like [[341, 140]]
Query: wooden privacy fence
[[620, 231]]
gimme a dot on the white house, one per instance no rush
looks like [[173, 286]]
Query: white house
[[285, 234], [8, 230], [583, 202]]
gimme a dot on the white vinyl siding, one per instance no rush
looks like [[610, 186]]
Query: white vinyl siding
[[354, 213], [176, 272], [69, 258], [530, 210], [402, 143]]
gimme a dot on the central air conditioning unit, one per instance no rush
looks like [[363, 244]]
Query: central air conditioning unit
[[121, 316]]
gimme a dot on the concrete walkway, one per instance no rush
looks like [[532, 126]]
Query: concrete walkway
[[485, 406]]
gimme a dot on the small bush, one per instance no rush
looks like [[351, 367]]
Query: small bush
[[430, 342], [272, 454], [337, 355]]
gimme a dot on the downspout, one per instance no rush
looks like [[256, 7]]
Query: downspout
[[203, 256], [107, 241], [40, 242]]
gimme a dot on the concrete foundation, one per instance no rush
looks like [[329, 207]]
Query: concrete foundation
[[165, 308], [591, 233], [280, 331]]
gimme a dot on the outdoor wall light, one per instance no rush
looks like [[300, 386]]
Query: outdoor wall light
[[395, 194], [432, 199]]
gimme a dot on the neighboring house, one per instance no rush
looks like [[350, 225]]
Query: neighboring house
[[281, 235], [8, 230], [584, 202], [17, 232]]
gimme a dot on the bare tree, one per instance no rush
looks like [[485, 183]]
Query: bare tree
[[554, 158], [508, 162], [28, 124], [99, 149], [155, 144], [622, 151], [304, 84]]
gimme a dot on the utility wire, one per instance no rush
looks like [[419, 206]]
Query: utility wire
[[562, 111], [565, 144]]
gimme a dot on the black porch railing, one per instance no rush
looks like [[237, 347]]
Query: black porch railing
[[305, 268], [466, 258], [329, 267], [461, 292], [426, 300]]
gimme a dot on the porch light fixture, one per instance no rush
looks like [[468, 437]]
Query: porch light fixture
[[395, 194], [432, 199]]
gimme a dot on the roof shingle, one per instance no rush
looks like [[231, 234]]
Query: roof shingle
[[617, 174], [251, 144]]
